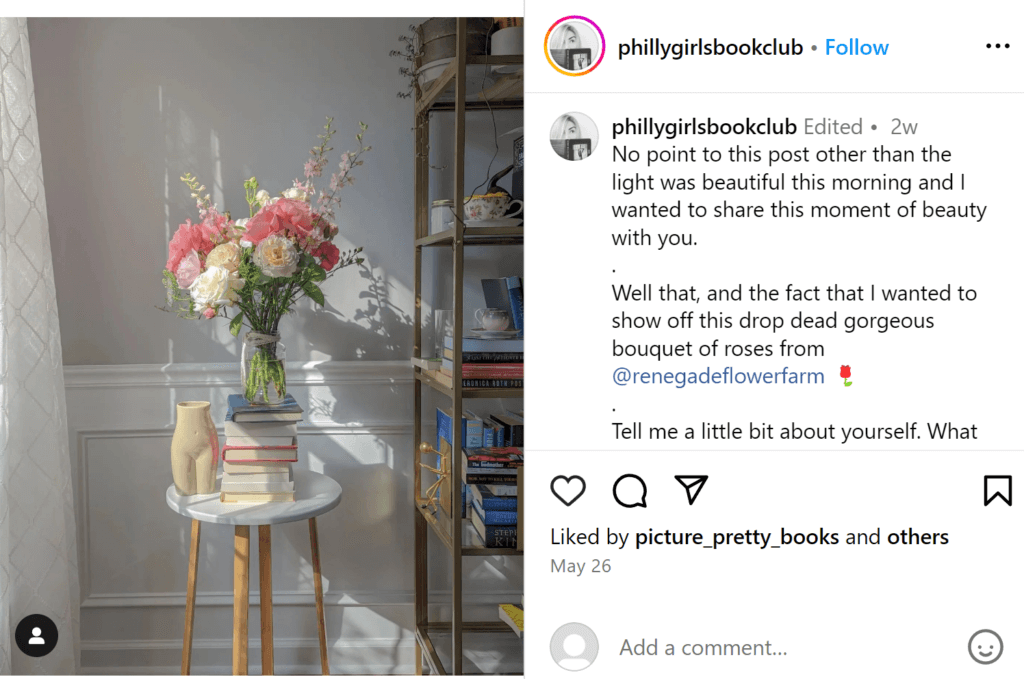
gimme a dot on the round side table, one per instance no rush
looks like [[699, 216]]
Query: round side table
[[315, 494]]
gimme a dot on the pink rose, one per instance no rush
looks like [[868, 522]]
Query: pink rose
[[294, 217], [209, 312], [328, 254], [189, 237], [189, 269]]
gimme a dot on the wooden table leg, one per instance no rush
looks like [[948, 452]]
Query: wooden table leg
[[240, 635], [318, 587], [190, 599], [266, 603]]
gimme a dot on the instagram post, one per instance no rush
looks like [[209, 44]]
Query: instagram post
[[263, 363]]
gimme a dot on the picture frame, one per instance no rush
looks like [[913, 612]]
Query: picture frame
[[577, 59]]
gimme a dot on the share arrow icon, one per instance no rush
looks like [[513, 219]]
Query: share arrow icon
[[693, 486]]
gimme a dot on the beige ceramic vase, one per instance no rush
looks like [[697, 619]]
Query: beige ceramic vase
[[194, 449]]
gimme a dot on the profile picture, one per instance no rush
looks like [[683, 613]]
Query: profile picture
[[574, 647], [574, 45], [574, 136]]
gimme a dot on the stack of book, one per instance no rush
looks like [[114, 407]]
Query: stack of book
[[261, 445], [496, 430], [491, 475], [485, 363]]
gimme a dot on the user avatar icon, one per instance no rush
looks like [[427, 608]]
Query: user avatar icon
[[36, 635], [574, 647]]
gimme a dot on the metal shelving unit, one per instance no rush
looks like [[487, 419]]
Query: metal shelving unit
[[448, 93]]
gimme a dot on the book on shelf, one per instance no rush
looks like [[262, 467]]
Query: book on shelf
[[261, 430], [484, 357], [512, 616], [479, 344], [256, 486], [258, 477], [513, 428], [491, 501], [240, 410], [485, 370], [257, 498], [487, 477], [515, 298], [492, 536], [259, 441], [502, 491], [508, 457], [267, 467], [495, 517], [247, 453], [472, 433], [478, 383], [494, 434]]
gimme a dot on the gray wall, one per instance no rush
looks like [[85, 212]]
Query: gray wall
[[126, 106]]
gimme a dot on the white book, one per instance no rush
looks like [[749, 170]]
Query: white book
[[257, 498], [260, 429], [260, 467], [263, 487], [260, 441], [258, 477]]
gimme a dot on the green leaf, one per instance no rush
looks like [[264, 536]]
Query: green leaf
[[317, 273], [236, 323], [314, 293]]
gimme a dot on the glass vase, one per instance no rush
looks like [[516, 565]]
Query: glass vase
[[263, 369]]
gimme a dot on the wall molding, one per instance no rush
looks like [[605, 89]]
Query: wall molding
[[312, 373]]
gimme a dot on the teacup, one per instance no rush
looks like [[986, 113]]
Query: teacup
[[489, 206], [493, 319]]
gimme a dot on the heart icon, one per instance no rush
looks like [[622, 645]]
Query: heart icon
[[568, 489]]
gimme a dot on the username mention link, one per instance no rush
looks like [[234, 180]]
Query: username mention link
[[726, 376]]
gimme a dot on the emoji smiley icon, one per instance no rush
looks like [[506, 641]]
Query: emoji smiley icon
[[985, 647]]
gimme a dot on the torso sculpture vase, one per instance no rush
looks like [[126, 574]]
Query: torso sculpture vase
[[194, 449]]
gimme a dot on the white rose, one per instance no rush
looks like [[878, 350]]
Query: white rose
[[276, 257], [226, 255], [295, 193], [262, 197], [216, 286]]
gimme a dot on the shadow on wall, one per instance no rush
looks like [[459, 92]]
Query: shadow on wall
[[224, 99]]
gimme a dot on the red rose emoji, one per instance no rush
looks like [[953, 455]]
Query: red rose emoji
[[844, 372]]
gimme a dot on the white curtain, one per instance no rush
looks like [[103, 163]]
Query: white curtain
[[38, 562]]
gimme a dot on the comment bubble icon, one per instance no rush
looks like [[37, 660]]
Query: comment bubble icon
[[630, 491]]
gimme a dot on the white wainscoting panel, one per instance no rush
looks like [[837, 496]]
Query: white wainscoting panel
[[133, 550]]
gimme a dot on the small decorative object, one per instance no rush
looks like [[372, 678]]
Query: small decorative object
[[444, 326], [493, 319], [844, 372], [442, 216], [263, 264], [194, 449], [490, 206], [441, 490]]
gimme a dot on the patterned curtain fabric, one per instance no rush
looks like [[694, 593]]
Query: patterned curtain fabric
[[38, 562]]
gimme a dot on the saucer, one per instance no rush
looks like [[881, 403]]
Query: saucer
[[494, 334], [508, 221]]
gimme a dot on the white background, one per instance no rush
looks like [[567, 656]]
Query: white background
[[839, 611]]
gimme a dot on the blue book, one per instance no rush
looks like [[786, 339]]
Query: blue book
[[481, 345], [240, 410], [504, 536], [496, 517], [488, 501], [515, 298], [472, 430]]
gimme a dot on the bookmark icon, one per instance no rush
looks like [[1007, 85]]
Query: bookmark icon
[[999, 487], [693, 486]]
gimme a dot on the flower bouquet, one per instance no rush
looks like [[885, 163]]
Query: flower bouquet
[[260, 266]]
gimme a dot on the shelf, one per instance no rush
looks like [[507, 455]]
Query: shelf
[[475, 235], [486, 88], [468, 392], [440, 524], [434, 635]]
